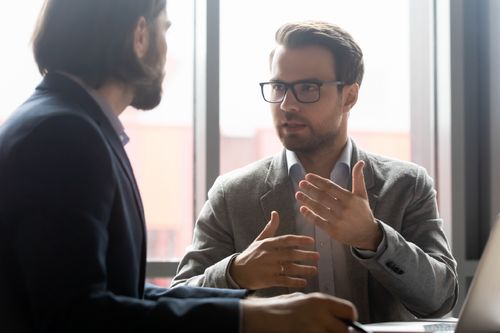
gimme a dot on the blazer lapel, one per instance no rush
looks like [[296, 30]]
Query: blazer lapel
[[120, 153], [279, 195]]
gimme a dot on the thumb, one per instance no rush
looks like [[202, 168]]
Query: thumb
[[358, 180], [271, 227]]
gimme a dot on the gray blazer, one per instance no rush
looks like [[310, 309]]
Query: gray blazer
[[415, 276]]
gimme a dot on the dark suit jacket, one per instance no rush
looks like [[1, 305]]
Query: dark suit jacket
[[72, 232]]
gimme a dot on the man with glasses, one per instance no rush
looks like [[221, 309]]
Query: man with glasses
[[324, 215]]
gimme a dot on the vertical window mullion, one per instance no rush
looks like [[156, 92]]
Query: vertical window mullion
[[206, 103]]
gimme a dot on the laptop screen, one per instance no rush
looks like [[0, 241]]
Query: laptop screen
[[481, 309]]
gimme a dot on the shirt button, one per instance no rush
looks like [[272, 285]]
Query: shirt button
[[321, 244]]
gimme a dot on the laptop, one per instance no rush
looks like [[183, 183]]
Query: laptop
[[480, 311]]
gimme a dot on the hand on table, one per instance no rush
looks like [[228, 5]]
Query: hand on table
[[297, 313]]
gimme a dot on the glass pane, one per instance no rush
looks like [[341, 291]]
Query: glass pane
[[19, 72], [379, 122], [161, 144], [160, 147]]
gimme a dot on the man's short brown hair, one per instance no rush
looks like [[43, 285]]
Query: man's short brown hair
[[348, 56]]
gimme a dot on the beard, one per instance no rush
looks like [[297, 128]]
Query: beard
[[316, 140], [148, 91], [148, 95], [314, 143]]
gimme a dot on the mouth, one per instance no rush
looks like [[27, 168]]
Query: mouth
[[293, 126]]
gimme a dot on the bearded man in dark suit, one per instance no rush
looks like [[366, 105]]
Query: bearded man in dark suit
[[72, 229]]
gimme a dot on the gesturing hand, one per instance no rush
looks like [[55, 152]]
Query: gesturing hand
[[346, 216], [274, 261]]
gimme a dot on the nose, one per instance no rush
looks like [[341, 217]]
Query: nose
[[289, 102]]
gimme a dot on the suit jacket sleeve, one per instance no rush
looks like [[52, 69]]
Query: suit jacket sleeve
[[61, 208], [417, 265]]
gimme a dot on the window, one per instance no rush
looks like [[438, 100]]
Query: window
[[161, 145], [19, 71]]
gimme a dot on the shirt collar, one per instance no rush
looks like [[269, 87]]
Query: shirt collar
[[345, 156], [344, 159], [105, 107]]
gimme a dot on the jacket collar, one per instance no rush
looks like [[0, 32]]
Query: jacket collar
[[74, 94]]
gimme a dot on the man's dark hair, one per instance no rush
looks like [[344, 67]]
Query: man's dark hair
[[93, 39], [346, 52]]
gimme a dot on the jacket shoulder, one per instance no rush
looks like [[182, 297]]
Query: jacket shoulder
[[246, 178], [389, 167]]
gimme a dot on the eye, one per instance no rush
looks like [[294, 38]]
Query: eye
[[278, 87], [308, 87]]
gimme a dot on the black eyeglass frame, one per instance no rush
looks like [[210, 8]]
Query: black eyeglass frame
[[291, 86]]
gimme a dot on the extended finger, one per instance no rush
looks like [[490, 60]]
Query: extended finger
[[287, 241], [316, 194], [271, 227], [292, 269], [293, 254], [327, 185], [358, 180], [316, 219], [324, 209]]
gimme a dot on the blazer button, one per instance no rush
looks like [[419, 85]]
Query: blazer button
[[394, 267]]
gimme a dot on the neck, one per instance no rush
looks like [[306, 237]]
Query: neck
[[118, 95], [322, 161]]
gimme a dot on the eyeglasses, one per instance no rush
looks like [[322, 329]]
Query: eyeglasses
[[304, 91]]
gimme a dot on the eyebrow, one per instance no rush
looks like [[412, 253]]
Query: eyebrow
[[297, 81]]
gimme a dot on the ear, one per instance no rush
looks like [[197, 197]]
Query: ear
[[350, 96], [141, 38]]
